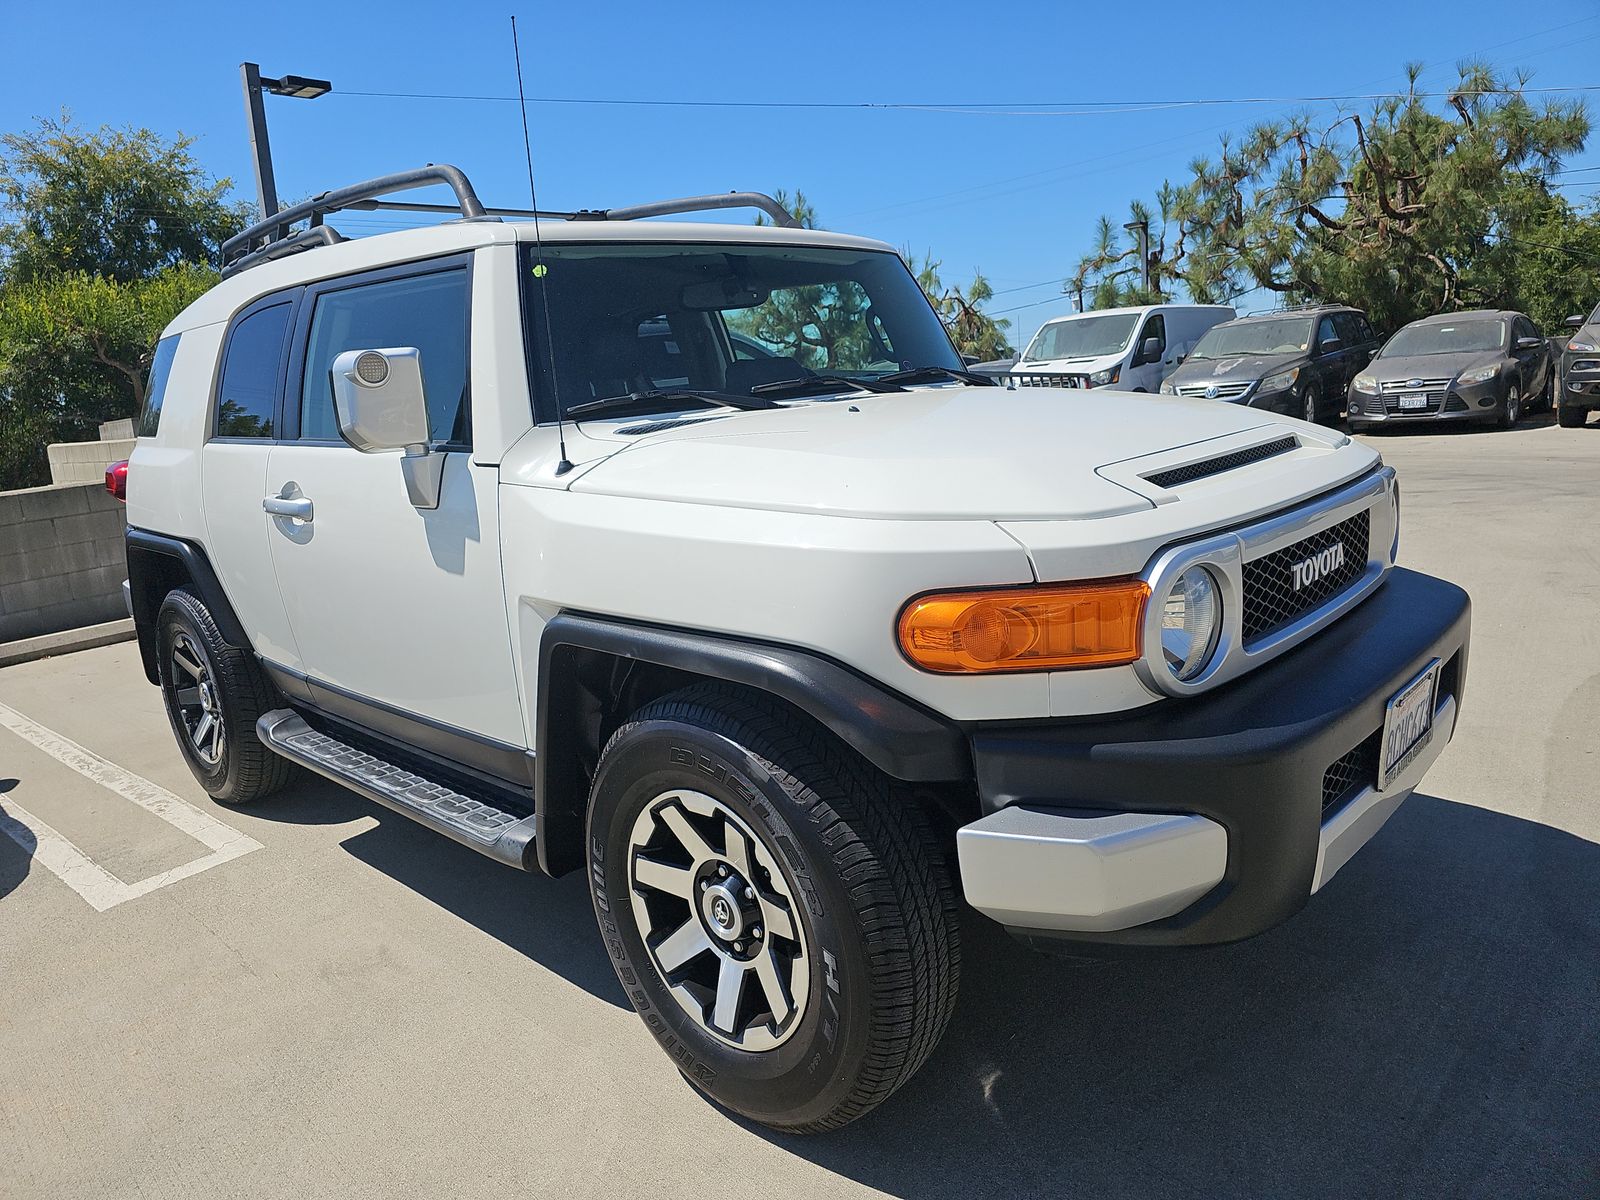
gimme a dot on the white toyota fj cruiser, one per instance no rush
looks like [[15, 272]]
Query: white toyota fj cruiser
[[688, 555]]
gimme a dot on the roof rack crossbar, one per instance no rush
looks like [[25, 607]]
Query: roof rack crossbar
[[419, 207], [275, 227], [688, 204]]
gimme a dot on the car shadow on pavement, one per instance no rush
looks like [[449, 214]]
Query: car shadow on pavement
[[17, 845], [1428, 1026], [548, 920]]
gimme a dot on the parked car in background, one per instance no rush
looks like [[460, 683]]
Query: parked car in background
[[1295, 361], [1485, 366], [1580, 371], [1131, 349]]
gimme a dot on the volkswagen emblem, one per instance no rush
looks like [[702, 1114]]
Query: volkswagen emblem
[[1211, 392]]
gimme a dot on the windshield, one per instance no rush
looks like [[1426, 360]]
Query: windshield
[[1082, 337], [1281, 335], [635, 319], [1458, 337]]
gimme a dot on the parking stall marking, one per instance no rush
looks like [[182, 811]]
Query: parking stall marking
[[98, 887]]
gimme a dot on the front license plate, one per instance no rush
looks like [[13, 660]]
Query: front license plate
[[1408, 724], [1413, 400]]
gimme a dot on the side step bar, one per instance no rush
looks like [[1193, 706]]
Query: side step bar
[[484, 828]]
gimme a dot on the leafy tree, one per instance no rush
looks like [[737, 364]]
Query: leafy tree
[[121, 203], [105, 237], [975, 333], [1404, 210]]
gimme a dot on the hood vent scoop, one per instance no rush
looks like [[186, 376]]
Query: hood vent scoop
[[663, 426], [1177, 476]]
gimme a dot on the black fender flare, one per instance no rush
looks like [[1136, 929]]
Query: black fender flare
[[895, 734], [158, 563]]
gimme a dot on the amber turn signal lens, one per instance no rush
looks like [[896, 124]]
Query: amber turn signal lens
[[1026, 629]]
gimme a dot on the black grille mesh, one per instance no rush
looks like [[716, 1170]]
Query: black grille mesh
[[1223, 462], [1350, 773], [1270, 597]]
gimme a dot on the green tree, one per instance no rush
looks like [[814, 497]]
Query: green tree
[[976, 334], [104, 238], [1404, 210]]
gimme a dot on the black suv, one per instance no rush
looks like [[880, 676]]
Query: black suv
[[1297, 361]]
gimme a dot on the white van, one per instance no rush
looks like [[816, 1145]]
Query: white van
[[1131, 349]]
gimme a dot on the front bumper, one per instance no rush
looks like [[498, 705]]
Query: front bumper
[[1456, 402], [1213, 818]]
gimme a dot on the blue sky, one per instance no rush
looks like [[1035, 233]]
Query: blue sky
[[1015, 195]]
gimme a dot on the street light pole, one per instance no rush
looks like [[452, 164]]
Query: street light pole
[[1141, 236], [260, 148]]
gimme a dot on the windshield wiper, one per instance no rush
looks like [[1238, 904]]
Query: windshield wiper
[[933, 374], [822, 385], [609, 405]]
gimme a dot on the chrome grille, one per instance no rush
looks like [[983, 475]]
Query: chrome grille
[[1230, 389], [1271, 599], [1433, 389]]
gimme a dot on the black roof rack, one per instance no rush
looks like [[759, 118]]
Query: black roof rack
[[272, 238]]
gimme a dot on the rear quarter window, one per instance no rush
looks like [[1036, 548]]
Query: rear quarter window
[[156, 386]]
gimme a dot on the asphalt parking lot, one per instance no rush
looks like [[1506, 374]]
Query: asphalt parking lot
[[315, 997]]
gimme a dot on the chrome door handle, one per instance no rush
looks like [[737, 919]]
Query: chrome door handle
[[282, 506]]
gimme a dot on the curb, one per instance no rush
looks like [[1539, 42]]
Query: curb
[[68, 641]]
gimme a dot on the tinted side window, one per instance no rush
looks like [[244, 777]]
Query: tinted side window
[[428, 312], [247, 398], [1325, 332], [1155, 327], [1345, 326], [1365, 329], [156, 386]]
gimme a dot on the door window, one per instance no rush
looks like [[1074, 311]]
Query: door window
[[247, 398], [1155, 327], [428, 312], [1325, 334], [156, 386]]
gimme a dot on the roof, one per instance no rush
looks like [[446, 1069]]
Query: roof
[[454, 237], [1501, 314], [1303, 310], [1135, 308]]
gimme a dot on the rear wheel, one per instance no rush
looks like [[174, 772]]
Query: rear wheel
[[779, 916], [213, 694]]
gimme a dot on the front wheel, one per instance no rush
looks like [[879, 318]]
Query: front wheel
[[777, 914], [1511, 411], [1569, 417]]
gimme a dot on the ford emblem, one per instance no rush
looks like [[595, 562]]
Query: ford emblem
[[1413, 383]]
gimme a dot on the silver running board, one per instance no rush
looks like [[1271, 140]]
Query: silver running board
[[484, 828]]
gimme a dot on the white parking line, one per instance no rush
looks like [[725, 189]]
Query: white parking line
[[77, 870]]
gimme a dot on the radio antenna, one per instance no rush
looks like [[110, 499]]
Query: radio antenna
[[540, 270]]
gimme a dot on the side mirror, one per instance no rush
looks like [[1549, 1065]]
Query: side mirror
[[1573, 322], [1529, 343], [1332, 344], [380, 403], [1150, 350]]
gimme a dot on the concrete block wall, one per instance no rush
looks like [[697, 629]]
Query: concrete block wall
[[62, 560], [85, 462]]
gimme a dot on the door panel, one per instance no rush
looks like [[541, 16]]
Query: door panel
[[395, 604], [234, 478]]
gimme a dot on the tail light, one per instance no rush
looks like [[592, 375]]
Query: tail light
[[117, 480]]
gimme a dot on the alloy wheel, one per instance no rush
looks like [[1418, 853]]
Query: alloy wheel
[[199, 706], [1513, 406], [719, 920]]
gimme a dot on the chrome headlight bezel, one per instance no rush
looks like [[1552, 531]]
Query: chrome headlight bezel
[[1194, 592]]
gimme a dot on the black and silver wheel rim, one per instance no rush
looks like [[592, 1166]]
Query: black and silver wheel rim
[[194, 692], [1311, 406], [719, 920], [1513, 406]]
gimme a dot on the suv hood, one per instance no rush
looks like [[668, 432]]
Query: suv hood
[[1249, 366], [1083, 364], [945, 453]]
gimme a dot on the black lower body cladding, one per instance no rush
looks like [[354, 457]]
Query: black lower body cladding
[[1251, 755]]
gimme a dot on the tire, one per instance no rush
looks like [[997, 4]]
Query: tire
[[230, 689], [1569, 417], [1511, 409], [1310, 404], [873, 966], [1547, 399]]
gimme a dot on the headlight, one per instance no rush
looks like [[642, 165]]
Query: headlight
[[1282, 381], [1190, 618], [1583, 347], [1481, 375], [1169, 389], [1367, 384], [1105, 378]]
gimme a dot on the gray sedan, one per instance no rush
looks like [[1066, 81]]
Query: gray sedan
[[1484, 367]]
